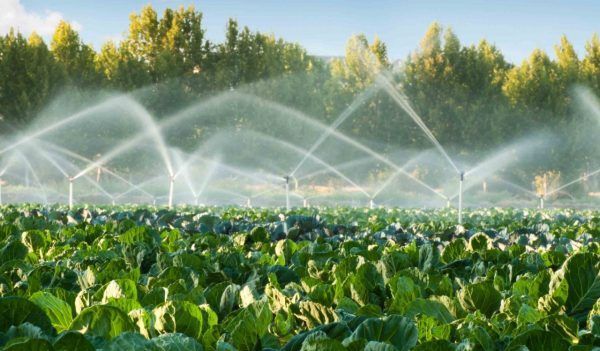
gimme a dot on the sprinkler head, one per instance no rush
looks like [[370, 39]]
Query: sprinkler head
[[287, 179], [462, 176]]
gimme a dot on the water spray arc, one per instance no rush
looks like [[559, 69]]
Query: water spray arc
[[402, 101]]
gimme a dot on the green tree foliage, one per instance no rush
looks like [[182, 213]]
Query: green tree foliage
[[28, 74], [469, 95], [590, 65], [456, 89], [74, 58]]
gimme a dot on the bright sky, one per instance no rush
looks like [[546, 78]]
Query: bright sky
[[515, 26]]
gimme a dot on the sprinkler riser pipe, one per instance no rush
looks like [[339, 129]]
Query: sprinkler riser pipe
[[460, 195], [287, 192], [371, 204], [541, 202], [70, 193], [171, 186], [249, 203], [304, 202]]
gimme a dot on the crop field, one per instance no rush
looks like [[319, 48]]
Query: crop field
[[141, 278]]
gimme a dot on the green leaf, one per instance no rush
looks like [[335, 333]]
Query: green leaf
[[17, 310], [404, 291], [582, 273], [320, 341], [117, 289], [481, 297], [429, 308], [314, 314], [528, 315], [379, 346], [436, 345], [480, 242], [455, 250], [178, 317], [429, 257], [57, 310], [72, 341], [176, 342], [14, 250], [395, 330], [557, 296], [129, 342], [538, 340], [367, 286], [102, 321], [28, 345]]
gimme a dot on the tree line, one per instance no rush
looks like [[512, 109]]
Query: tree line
[[470, 96]]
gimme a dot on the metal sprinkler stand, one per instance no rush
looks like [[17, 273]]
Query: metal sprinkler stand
[[249, 202], [196, 200], [171, 186], [371, 203], [304, 202], [545, 191], [71, 193], [460, 194], [287, 192]]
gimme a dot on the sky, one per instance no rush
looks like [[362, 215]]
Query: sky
[[516, 27]]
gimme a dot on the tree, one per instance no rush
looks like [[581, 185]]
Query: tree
[[535, 86], [590, 66], [28, 76], [142, 40], [75, 58]]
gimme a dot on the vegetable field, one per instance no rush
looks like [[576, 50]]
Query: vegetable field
[[133, 278]]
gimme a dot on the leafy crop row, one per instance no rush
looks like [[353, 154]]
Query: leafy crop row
[[326, 279]]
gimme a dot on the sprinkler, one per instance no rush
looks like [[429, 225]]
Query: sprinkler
[[544, 191], [0, 192], [249, 202], [447, 202], [287, 192], [71, 193], [371, 203], [171, 186], [304, 202], [196, 200], [154, 201], [460, 193], [113, 201]]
